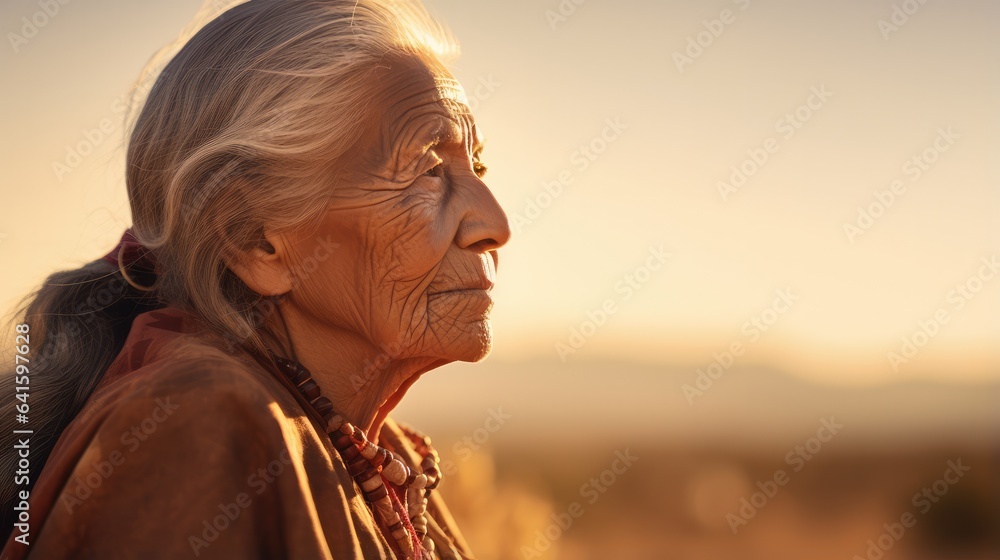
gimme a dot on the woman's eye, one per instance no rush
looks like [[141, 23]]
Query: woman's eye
[[436, 171]]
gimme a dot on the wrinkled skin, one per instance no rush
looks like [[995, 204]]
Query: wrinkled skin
[[415, 233]]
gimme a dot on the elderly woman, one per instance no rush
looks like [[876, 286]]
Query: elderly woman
[[311, 234]]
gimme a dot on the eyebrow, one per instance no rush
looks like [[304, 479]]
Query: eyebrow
[[442, 135]]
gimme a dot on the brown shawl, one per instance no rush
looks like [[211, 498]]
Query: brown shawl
[[185, 451]]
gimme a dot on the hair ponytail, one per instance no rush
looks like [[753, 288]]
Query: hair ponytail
[[77, 324]]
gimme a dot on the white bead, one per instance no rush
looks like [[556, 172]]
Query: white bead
[[420, 481], [368, 451], [389, 515], [404, 542], [371, 484], [395, 472], [414, 499]]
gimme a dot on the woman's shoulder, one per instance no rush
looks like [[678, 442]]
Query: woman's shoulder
[[195, 382], [198, 371], [184, 431], [174, 341], [173, 391], [168, 354], [184, 390]]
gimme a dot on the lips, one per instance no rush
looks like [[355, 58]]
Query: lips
[[460, 275], [482, 285]]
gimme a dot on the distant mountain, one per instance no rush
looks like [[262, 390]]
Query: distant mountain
[[573, 403]]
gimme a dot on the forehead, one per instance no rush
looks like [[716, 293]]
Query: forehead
[[418, 103], [407, 82]]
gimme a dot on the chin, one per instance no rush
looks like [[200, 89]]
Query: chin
[[473, 345]]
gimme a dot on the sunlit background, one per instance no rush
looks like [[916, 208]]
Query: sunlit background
[[734, 221]]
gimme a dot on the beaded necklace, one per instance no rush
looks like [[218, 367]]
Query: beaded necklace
[[397, 493]]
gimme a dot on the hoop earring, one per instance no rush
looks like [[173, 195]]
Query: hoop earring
[[133, 283]]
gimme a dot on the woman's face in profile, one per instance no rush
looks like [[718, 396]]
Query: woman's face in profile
[[416, 229]]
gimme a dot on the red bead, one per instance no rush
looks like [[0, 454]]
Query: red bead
[[342, 442], [357, 466], [368, 473], [382, 457], [358, 436], [433, 482], [287, 367], [300, 377], [310, 390], [350, 453], [323, 406], [329, 415]]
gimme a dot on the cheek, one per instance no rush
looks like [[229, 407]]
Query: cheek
[[374, 281], [396, 250], [405, 242], [320, 276]]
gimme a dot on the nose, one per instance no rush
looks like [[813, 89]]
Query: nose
[[484, 225]]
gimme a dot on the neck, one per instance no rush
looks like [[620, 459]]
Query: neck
[[363, 380]]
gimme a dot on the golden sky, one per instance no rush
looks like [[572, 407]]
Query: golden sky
[[616, 137]]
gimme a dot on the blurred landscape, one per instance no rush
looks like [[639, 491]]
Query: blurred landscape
[[562, 424]]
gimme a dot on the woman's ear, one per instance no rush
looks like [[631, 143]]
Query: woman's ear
[[265, 266]]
